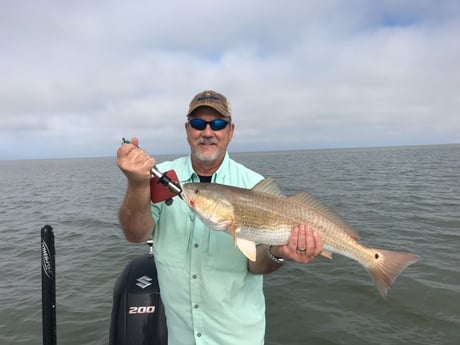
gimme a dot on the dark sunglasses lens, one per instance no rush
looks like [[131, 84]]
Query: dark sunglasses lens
[[198, 124], [218, 124]]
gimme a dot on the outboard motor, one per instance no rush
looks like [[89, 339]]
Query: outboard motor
[[138, 316]]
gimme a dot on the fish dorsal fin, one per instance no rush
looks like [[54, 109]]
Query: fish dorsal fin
[[268, 186], [317, 205]]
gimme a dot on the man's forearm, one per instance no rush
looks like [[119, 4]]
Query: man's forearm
[[135, 215], [263, 264]]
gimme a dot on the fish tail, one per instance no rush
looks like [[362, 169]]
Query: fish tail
[[386, 266]]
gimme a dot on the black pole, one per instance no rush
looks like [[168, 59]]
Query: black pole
[[48, 286]]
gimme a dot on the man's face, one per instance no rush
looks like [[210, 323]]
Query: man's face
[[208, 146]]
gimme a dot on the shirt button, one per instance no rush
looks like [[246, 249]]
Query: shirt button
[[198, 334], [194, 276], [196, 306], [196, 245]]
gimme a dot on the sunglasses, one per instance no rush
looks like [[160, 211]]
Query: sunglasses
[[216, 125]]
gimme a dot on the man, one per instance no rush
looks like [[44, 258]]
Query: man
[[211, 292]]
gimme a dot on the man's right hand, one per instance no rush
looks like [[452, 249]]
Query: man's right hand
[[135, 163], [134, 215]]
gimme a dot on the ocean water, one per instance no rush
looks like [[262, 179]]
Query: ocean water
[[400, 198]]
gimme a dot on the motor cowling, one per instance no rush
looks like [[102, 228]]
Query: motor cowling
[[138, 316]]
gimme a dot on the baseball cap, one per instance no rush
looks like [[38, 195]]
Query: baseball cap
[[213, 99]]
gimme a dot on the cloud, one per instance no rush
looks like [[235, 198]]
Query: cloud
[[79, 75]]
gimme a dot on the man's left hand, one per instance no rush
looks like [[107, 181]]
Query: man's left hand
[[304, 245]]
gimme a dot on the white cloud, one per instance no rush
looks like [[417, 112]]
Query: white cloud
[[79, 75]]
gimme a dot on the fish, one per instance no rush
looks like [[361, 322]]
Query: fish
[[264, 215]]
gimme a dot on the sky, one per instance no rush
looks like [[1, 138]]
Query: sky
[[78, 75]]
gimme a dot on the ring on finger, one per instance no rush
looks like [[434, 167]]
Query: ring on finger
[[301, 250]]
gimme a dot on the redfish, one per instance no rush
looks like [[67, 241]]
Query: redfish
[[264, 215]]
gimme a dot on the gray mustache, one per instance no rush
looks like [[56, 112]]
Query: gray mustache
[[207, 141]]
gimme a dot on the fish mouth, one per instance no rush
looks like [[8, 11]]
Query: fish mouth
[[188, 201]]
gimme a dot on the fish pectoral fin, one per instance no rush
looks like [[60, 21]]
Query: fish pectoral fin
[[248, 248], [234, 229], [326, 254]]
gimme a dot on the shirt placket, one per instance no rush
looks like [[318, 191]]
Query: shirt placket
[[195, 280]]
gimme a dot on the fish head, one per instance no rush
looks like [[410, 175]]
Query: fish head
[[208, 202]]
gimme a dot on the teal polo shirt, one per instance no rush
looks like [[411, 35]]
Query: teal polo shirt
[[209, 295]]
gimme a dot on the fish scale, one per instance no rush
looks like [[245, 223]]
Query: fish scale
[[278, 224]]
